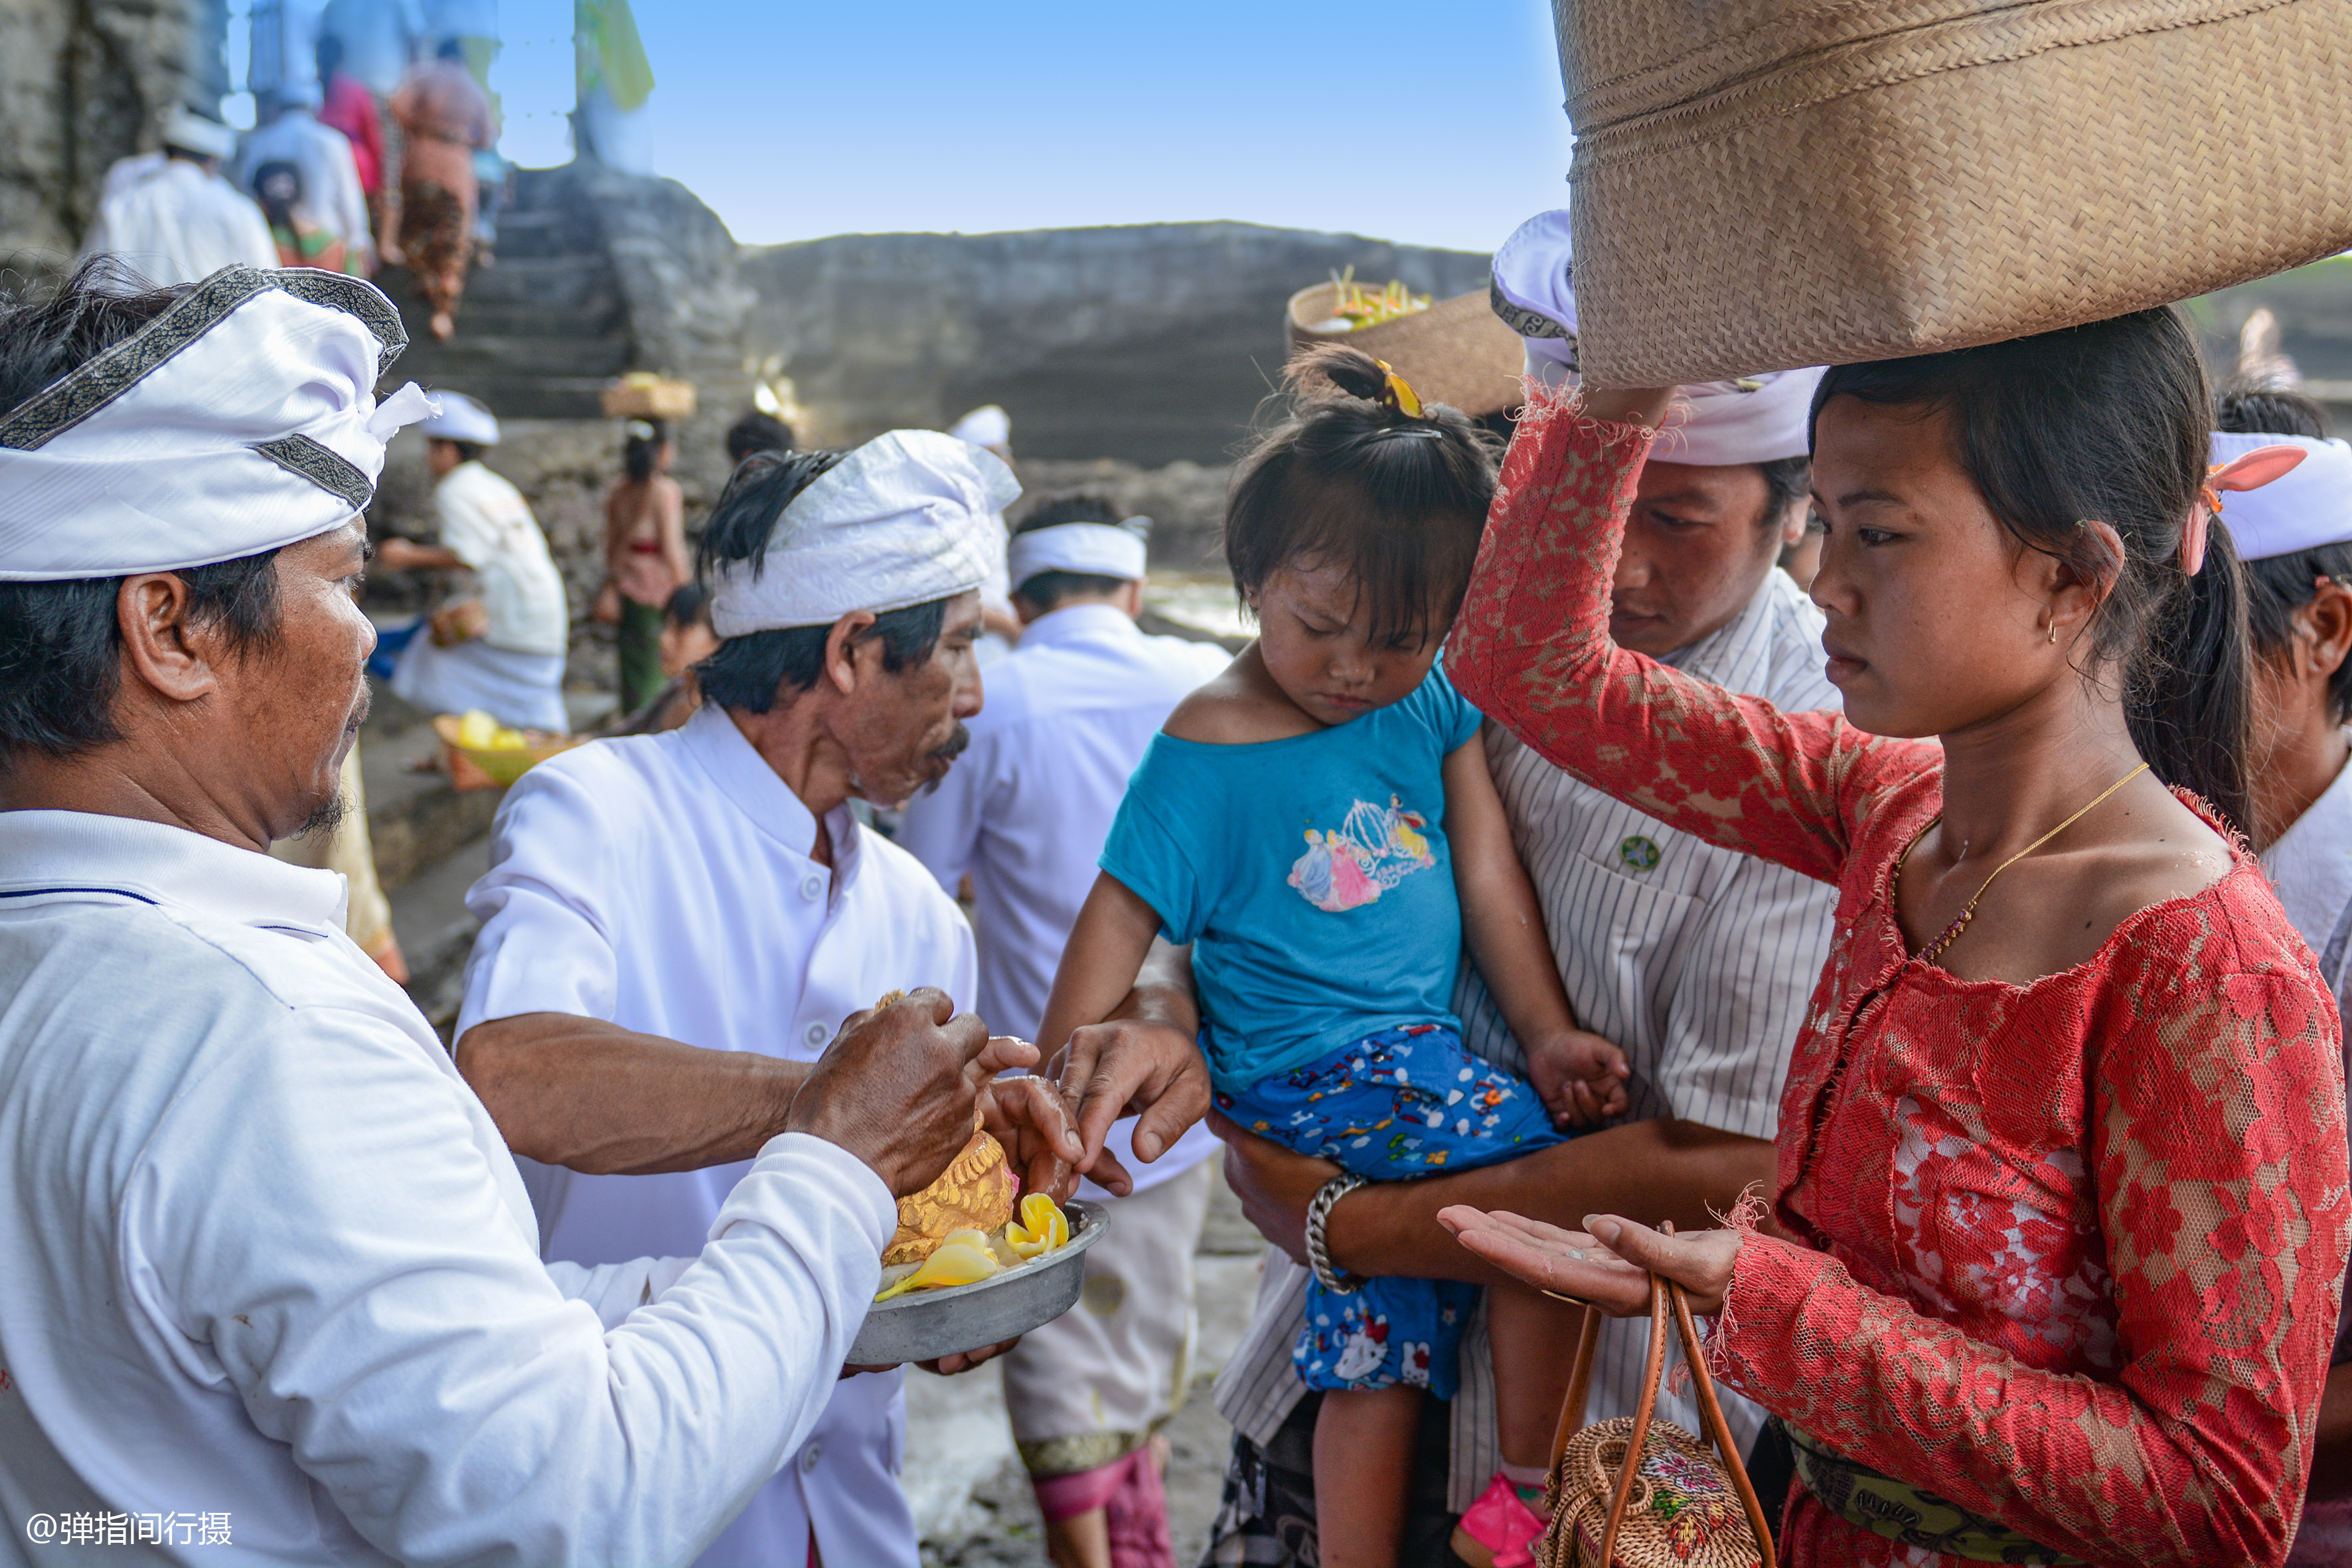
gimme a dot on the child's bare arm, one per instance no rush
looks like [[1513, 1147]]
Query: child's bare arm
[[1100, 962], [1580, 1075]]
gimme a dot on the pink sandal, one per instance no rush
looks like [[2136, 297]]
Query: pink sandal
[[1500, 1530]]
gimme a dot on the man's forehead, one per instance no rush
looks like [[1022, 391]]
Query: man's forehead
[[962, 612], [1695, 482]]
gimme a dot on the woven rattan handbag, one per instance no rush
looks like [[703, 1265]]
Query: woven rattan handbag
[[1760, 184], [1638, 1493]]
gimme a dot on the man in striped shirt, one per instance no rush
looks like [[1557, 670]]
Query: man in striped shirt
[[1696, 960]]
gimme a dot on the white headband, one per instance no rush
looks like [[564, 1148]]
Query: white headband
[[241, 419], [907, 518], [2306, 507], [1097, 549], [1755, 419]]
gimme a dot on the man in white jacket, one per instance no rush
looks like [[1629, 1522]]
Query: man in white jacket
[[273, 1283], [169, 215]]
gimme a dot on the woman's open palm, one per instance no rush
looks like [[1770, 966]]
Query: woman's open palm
[[1611, 1274]]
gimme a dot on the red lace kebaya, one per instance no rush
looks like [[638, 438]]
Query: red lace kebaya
[[2066, 1254]]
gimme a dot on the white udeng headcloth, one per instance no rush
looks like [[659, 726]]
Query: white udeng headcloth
[[907, 518], [242, 418], [1755, 419], [2306, 507], [1096, 549]]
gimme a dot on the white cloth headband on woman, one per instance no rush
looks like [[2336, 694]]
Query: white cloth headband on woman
[[1096, 549], [241, 419], [907, 518]]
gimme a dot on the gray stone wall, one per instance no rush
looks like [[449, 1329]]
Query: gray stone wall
[[82, 83], [1149, 343]]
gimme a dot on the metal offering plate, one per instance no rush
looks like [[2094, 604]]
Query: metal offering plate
[[924, 1325]]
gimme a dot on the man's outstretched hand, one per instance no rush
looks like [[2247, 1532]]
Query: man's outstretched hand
[[1032, 1117], [898, 1086]]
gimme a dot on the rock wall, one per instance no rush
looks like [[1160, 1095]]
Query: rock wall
[[1149, 343], [82, 83]]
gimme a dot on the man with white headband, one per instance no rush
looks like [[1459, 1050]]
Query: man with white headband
[[674, 926], [501, 651], [2295, 534], [1697, 961], [1025, 814], [171, 218], [273, 1288]]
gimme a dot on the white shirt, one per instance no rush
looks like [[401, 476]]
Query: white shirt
[[665, 883], [172, 223], [2311, 867], [486, 523], [321, 155], [1025, 811], [1697, 961], [269, 1258]]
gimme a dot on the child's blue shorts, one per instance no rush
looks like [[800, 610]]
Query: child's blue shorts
[[1403, 1103]]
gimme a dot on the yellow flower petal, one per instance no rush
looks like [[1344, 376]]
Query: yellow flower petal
[[954, 1263]]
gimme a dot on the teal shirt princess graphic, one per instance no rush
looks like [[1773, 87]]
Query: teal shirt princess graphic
[[1371, 851]]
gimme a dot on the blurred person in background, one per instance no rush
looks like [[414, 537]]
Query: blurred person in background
[[300, 242], [687, 639], [501, 651], [757, 431], [644, 557], [2295, 535], [445, 118], [346, 105], [329, 204], [169, 215], [990, 429], [1024, 815]]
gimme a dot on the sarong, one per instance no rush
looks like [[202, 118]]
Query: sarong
[[436, 230], [523, 689]]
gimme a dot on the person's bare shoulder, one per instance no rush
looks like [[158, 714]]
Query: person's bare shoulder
[[1239, 707]]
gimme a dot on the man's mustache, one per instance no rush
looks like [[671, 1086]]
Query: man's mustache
[[956, 743]]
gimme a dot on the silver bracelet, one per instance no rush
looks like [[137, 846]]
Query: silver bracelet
[[1319, 1255]]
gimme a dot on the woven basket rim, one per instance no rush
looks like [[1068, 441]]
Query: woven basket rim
[[1801, 81]]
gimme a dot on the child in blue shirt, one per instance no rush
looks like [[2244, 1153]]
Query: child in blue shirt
[[1318, 824]]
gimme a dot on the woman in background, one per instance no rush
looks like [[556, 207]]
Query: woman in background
[[645, 558]]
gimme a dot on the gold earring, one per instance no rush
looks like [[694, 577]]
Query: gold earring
[[2054, 634]]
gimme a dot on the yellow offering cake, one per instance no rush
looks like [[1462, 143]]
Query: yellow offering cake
[[974, 1192]]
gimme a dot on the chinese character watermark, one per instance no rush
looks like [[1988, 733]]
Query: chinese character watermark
[[102, 1529]]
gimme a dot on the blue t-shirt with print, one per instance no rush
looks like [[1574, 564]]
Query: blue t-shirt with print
[[1309, 874]]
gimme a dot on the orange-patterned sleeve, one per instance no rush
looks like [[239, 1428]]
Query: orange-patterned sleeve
[[1531, 648]]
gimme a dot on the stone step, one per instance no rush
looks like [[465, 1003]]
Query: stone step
[[545, 233], [472, 356]]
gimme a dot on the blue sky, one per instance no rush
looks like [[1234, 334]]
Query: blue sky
[[1431, 123]]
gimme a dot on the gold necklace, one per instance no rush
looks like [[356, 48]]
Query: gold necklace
[[1934, 949]]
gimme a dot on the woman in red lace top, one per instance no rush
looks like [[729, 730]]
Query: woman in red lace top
[[2053, 1269]]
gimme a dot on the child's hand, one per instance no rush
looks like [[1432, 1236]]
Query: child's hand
[[1579, 1076]]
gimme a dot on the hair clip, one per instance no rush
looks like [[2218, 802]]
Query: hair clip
[[1398, 393], [2251, 471]]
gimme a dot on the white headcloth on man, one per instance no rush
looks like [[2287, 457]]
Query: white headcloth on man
[[1759, 419], [1096, 549], [241, 419], [905, 519], [2307, 506]]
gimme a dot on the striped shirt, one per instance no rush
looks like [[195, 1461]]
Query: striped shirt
[[1696, 960]]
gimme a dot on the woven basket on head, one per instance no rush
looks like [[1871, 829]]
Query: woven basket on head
[[1456, 352], [1765, 183]]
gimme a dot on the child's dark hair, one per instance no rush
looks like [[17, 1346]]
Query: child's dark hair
[[2279, 584], [1353, 478]]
